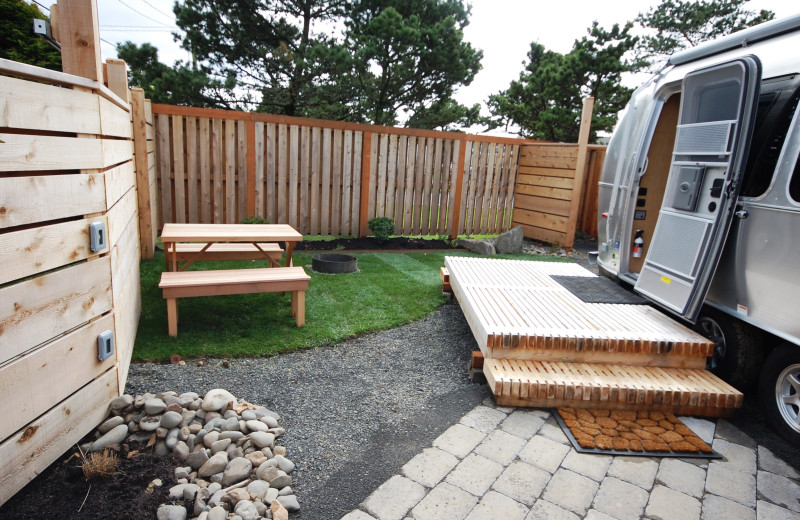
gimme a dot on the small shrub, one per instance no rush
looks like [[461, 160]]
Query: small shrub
[[99, 464], [382, 227], [255, 219]]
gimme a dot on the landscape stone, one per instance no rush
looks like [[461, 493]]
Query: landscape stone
[[289, 502], [110, 423], [217, 399], [196, 459], [118, 403], [262, 439], [149, 424], [170, 420], [278, 511], [234, 496], [114, 436], [270, 421], [246, 510], [256, 426], [210, 438], [267, 473], [214, 465], [510, 242], [281, 481], [154, 406], [171, 512], [284, 464], [220, 445], [217, 513], [482, 247], [272, 494], [237, 470], [258, 488], [174, 407]]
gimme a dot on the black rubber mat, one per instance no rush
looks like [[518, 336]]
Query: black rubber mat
[[596, 289]]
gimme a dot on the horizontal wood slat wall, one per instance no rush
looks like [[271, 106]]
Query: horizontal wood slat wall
[[544, 189], [329, 177], [66, 162]]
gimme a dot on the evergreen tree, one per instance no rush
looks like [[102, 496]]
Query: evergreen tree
[[17, 41]]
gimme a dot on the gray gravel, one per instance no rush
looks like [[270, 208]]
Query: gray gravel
[[355, 412]]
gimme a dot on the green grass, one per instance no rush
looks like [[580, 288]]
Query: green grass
[[391, 289]]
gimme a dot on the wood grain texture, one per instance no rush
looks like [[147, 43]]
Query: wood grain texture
[[21, 197]]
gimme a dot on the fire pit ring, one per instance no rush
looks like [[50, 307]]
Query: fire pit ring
[[334, 264]]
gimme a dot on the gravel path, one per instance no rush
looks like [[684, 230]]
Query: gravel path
[[354, 413]]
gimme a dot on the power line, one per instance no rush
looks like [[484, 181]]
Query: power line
[[142, 14], [40, 5], [170, 16]]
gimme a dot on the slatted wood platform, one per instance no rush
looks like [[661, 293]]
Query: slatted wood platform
[[545, 347], [616, 387]]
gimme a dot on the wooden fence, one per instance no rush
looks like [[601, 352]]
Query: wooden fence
[[330, 178], [556, 189], [66, 163]]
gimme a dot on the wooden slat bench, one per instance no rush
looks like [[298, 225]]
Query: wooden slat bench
[[194, 252], [190, 284]]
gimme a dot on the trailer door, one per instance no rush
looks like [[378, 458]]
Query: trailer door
[[714, 129]]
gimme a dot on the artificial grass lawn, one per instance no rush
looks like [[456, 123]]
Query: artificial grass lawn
[[391, 289]]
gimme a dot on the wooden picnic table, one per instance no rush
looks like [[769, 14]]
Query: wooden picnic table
[[210, 234]]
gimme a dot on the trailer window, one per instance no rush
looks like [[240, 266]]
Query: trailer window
[[776, 106], [794, 184]]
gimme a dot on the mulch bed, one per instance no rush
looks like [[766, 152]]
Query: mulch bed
[[628, 432]]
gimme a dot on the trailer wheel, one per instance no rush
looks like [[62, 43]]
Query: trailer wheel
[[737, 355], [779, 389]]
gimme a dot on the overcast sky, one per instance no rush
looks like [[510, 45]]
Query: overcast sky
[[503, 29]]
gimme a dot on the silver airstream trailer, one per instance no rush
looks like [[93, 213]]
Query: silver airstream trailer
[[699, 205]]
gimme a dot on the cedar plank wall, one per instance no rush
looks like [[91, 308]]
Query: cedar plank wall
[[66, 161], [544, 191], [329, 178]]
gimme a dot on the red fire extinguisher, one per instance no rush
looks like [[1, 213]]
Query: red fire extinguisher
[[638, 244]]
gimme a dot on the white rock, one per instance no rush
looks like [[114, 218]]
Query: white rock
[[236, 471], [289, 502], [217, 513], [258, 488], [149, 424], [262, 439], [169, 512], [210, 438], [118, 403], [270, 421], [220, 445], [154, 406], [214, 465], [217, 399], [256, 426], [114, 436], [284, 464], [271, 495], [249, 415], [246, 510], [111, 423]]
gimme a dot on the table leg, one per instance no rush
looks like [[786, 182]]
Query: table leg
[[289, 249]]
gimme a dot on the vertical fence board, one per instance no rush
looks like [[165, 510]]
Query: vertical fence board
[[165, 167], [316, 178], [512, 182], [270, 190], [230, 171], [358, 161], [454, 192], [283, 173], [216, 170], [400, 181], [336, 180], [192, 200], [260, 165], [178, 169], [408, 188], [444, 197], [325, 209], [294, 173], [347, 183], [241, 171], [205, 170], [426, 185], [383, 163], [391, 176], [371, 201], [305, 178]]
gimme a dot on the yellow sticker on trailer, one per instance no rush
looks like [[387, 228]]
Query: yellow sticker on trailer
[[666, 280]]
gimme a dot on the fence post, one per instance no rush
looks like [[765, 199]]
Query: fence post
[[457, 217], [116, 75], [146, 232], [366, 146], [79, 35], [580, 170]]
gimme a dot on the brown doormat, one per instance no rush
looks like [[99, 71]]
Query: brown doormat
[[622, 432]]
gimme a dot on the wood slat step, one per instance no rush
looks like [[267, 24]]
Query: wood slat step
[[517, 311], [545, 384]]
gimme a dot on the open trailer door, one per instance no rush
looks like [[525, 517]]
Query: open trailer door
[[713, 135]]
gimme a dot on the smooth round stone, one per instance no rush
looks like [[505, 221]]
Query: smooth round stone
[[261, 508], [196, 459], [189, 491], [256, 426], [176, 492], [154, 406], [170, 512], [111, 423], [256, 458], [262, 439], [261, 412], [171, 400], [217, 513], [249, 415], [258, 488], [289, 502], [246, 510], [217, 399], [190, 396], [234, 452], [161, 432], [220, 445], [181, 450], [149, 424], [268, 452], [232, 435], [231, 424], [267, 473], [114, 436], [172, 438], [174, 407], [215, 464], [272, 494], [286, 491], [187, 416], [195, 428], [210, 438], [230, 413], [161, 449], [118, 403], [182, 472], [234, 496], [284, 464], [281, 481], [279, 450], [170, 420], [236, 471], [184, 433], [270, 421]]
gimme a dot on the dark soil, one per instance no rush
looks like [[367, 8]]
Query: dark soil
[[369, 243], [60, 491]]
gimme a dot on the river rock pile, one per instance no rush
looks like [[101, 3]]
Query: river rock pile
[[232, 468]]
